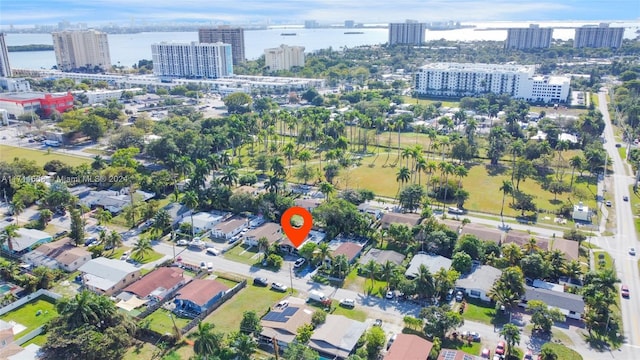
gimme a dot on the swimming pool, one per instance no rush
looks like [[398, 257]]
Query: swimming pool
[[4, 288]]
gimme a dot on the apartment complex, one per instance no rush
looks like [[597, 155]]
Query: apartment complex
[[86, 50], [533, 37], [284, 57], [194, 60], [601, 36], [409, 32], [227, 35], [519, 81], [5, 69]]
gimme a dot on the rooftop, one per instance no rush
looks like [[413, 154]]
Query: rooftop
[[409, 347], [200, 291], [337, 336], [560, 300], [164, 277], [433, 262], [382, 256], [480, 277], [348, 249], [284, 320], [27, 238], [230, 224], [104, 273], [409, 219], [270, 230]]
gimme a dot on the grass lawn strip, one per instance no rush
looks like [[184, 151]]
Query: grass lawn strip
[[160, 321], [8, 153]]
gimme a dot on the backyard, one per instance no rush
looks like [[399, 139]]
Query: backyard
[[161, 321], [32, 314]]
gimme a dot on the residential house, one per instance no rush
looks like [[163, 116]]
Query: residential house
[[337, 337], [112, 200], [371, 210], [478, 283], [450, 354], [58, 255], [408, 219], [571, 305], [283, 321], [482, 232], [270, 230], [581, 213], [521, 238], [433, 262], [26, 240], [308, 204], [157, 284], [177, 212], [197, 296], [107, 276], [569, 248], [314, 236], [7, 346], [203, 221], [229, 228], [409, 347], [349, 249], [382, 256]]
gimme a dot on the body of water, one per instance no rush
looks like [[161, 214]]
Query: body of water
[[127, 49]]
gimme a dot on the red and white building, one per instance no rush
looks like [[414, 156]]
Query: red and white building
[[17, 104]]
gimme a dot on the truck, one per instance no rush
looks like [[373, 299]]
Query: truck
[[317, 296]]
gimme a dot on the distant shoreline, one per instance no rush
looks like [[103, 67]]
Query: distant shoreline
[[30, 47]]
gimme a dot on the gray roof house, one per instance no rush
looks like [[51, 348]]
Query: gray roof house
[[382, 256], [337, 337], [571, 305], [581, 213], [107, 276], [433, 262], [177, 212], [479, 281]]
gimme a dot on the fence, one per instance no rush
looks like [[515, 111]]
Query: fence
[[229, 294], [16, 304], [29, 336]]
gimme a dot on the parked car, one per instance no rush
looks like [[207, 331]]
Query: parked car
[[350, 303], [608, 203], [260, 281], [278, 287], [389, 295], [485, 353], [624, 291], [632, 251], [203, 265], [625, 198], [449, 295], [209, 267], [500, 349], [391, 340], [471, 334], [182, 242], [377, 323], [89, 241], [298, 264], [213, 251], [459, 296]]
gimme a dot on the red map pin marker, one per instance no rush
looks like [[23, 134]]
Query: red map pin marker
[[296, 235]]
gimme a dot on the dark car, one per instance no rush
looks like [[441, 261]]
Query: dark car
[[260, 281], [625, 198], [89, 241]]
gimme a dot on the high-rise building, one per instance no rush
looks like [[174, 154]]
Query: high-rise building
[[311, 24], [5, 69], [349, 24], [227, 35], [519, 81], [86, 50], [533, 37], [409, 32], [284, 57], [601, 36], [194, 60]]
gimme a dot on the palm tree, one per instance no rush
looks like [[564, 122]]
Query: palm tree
[[229, 176], [263, 246], [45, 216], [531, 246], [113, 241], [547, 353], [506, 188], [371, 268], [322, 253], [511, 334], [304, 156], [98, 163], [387, 270], [17, 207], [244, 346], [421, 166], [85, 308], [278, 168], [402, 176], [289, 150], [206, 343], [424, 282], [573, 269], [327, 189], [576, 162], [162, 221], [512, 253], [141, 248], [190, 200], [517, 148], [103, 216], [8, 234], [460, 171]]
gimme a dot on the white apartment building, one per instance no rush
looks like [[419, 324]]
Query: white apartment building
[[85, 49], [519, 81], [15, 84], [532, 37], [284, 57], [410, 32], [5, 69], [601, 36], [194, 60]]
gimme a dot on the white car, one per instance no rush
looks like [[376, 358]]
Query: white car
[[389, 295], [213, 251], [279, 287], [182, 242], [348, 303]]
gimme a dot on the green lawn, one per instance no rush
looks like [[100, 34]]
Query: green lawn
[[336, 309], [149, 257], [445, 103], [244, 255], [259, 299], [160, 321], [8, 153], [26, 314], [563, 352], [635, 207], [480, 311], [39, 340]]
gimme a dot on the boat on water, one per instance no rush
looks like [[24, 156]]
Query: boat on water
[[288, 34], [353, 32]]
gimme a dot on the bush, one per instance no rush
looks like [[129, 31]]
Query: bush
[[275, 261]]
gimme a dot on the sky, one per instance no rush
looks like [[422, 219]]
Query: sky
[[123, 12]]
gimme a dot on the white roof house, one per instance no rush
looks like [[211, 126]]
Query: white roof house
[[479, 281], [337, 337], [203, 221], [581, 212], [433, 262], [108, 276]]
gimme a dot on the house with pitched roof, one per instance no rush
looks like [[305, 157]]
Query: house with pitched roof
[[382, 256], [26, 240], [58, 255], [177, 212], [478, 283], [433, 262], [283, 320], [203, 221], [409, 219], [269, 230], [157, 284], [229, 228], [197, 296], [571, 305], [450, 354], [108, 276], [409, 347], [337, 337]]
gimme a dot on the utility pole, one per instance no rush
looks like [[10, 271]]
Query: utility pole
[[291, 278], [275, 347]]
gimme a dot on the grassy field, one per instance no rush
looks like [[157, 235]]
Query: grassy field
[[244, 254], [445, 103], [39, 340], [228, 316], [8, 153], [26, 315], [160, 321], [563, 352]]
